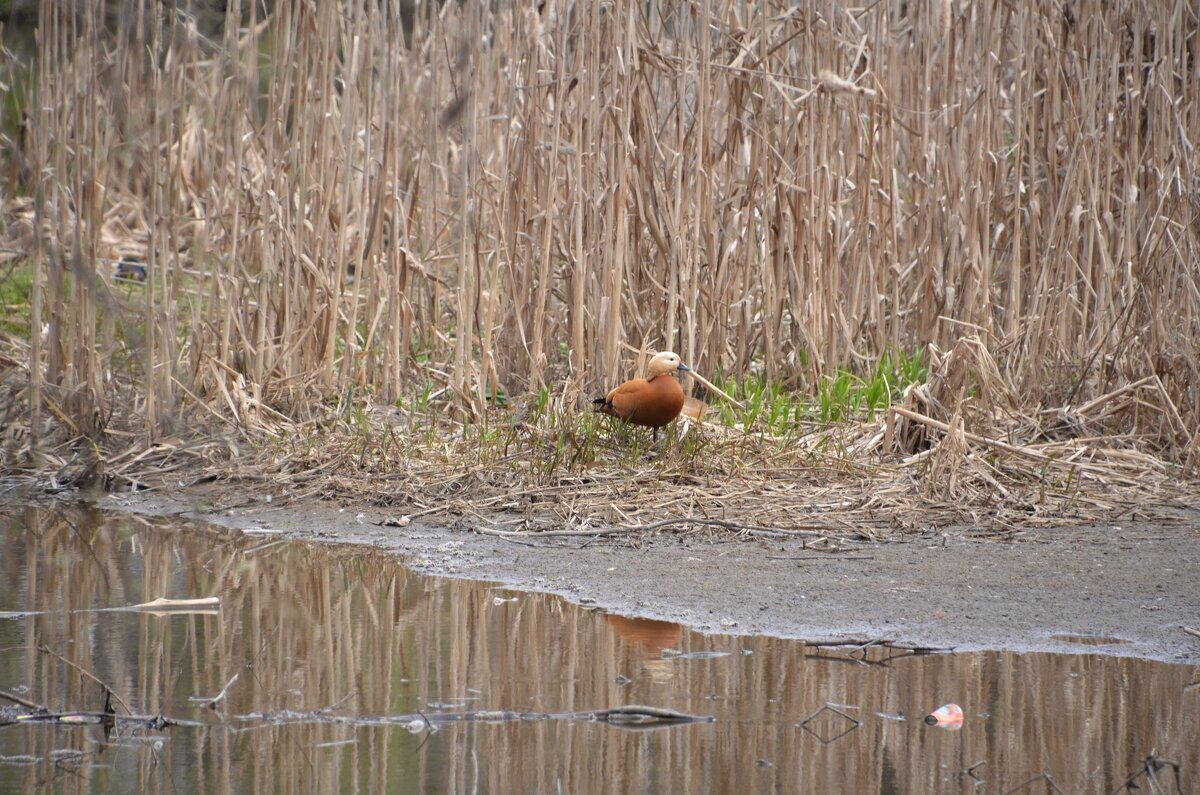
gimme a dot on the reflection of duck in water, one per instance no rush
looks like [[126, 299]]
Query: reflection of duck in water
[[652, 636]]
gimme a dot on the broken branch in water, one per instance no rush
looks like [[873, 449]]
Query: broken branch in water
[[212, 702], [640, 715], [862, 644], [83, 672], [42, 714], [92, 717], [162, 603], [1150, 768], [628, 716], [23, 702], [159, 606]]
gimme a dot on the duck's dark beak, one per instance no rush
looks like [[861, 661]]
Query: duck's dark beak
[[684, 367]]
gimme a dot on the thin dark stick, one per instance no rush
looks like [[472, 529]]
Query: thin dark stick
[[700, 520], [754, 529], [826, 556]]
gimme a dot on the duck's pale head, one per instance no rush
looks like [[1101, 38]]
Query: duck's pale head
[[665, 362]]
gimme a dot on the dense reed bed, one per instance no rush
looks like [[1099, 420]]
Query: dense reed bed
[[376, 201]]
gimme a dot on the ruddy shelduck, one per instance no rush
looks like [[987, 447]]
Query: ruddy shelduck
[[652, 402]]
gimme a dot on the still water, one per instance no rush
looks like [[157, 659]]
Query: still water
[[336, 649]]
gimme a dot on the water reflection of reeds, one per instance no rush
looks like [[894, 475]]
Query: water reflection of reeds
[[306, 627]]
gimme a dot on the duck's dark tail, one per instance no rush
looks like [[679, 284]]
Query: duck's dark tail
[[602, 406]]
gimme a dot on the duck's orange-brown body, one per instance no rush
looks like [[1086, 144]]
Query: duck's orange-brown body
[[653, 402]]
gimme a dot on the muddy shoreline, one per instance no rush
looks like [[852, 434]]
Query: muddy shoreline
[[1125, 589]]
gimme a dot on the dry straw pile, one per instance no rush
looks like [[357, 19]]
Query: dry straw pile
[[371, 200]]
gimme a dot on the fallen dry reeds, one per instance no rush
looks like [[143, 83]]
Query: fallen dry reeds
[[362, 203]]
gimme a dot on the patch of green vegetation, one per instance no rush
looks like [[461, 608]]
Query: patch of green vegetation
[[16, 291], [417, 401], [538, 434], [840, 397], [847, 394]]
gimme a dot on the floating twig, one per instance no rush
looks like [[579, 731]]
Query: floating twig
[[162, 603], [212, 704], [675, 654], [22, 701], [159, 606]]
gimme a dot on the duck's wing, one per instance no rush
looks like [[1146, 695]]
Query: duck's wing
[[623, 401]]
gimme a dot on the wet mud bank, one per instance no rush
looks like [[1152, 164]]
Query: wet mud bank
[[1130, 589]]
